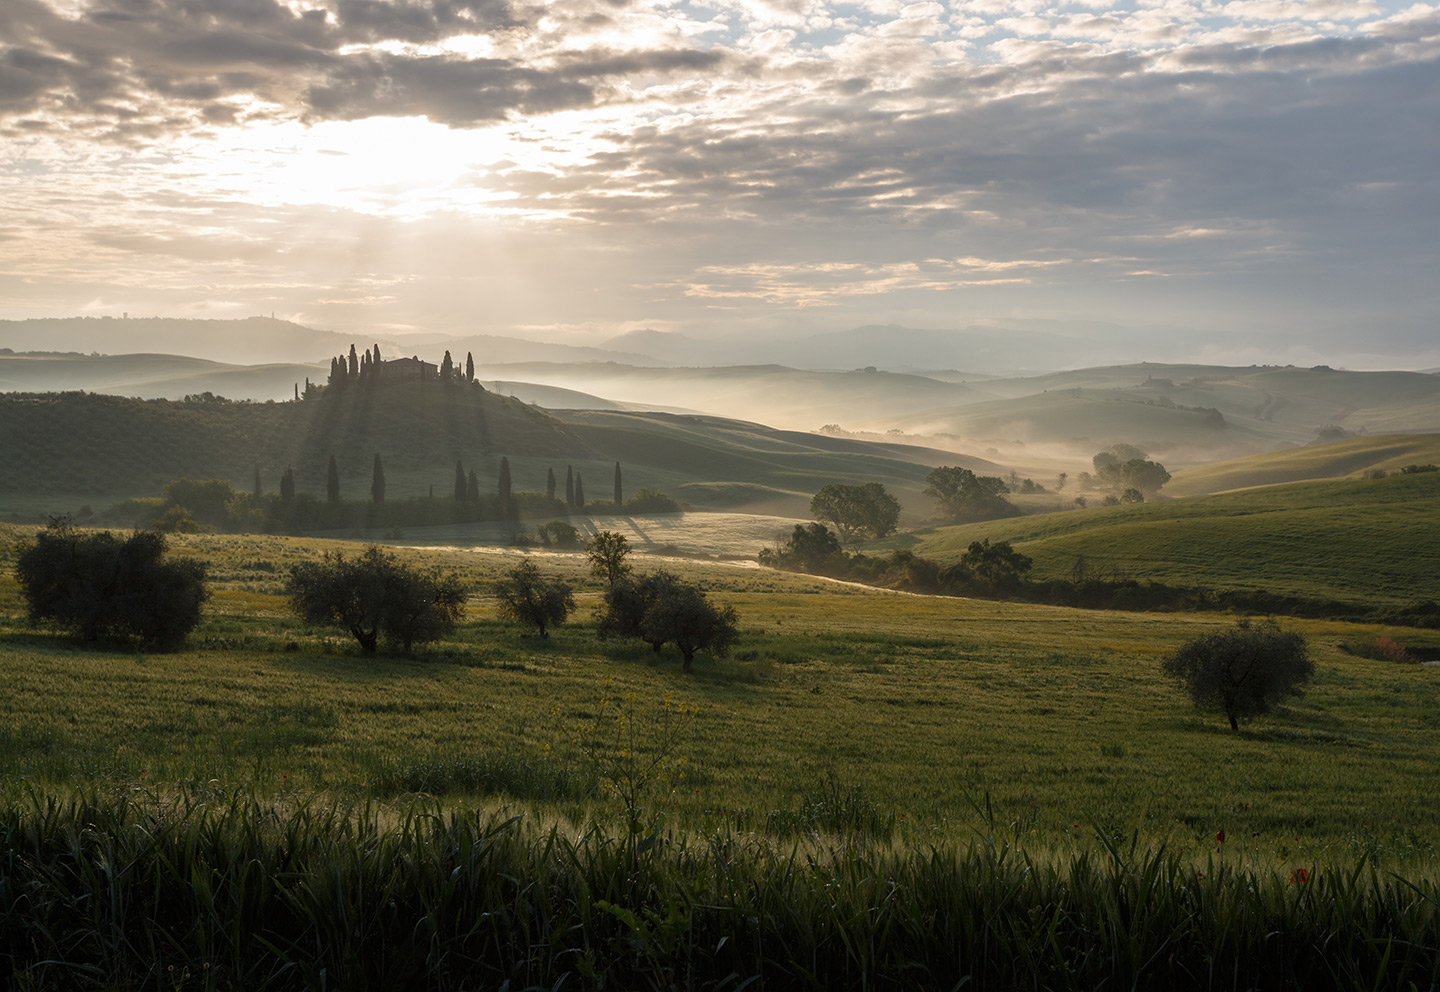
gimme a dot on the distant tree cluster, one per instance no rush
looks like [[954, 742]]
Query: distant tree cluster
[[353, 370], [1127, 471], [96, 585]]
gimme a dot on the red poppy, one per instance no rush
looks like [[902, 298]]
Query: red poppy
[[1299, 876], [1219, 836]]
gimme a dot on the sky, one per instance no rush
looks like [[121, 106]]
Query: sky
[[1246, 181]]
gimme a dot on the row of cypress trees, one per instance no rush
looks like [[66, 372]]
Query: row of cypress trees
[[467, 487]]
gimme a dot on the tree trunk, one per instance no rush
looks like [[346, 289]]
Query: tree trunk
[[1234, 725], [367, 639], [689, 654]]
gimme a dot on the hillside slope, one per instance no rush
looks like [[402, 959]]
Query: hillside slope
[[732, 464], [57, 443], [1369, 541], [1385, 452]]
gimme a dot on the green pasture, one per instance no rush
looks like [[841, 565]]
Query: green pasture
[[944, 713], [1382, 452], [1364, 541]]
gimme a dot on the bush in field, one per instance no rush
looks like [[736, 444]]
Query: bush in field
[[1383, 648], [97, 585], [527, 597], [558, 533], [810, 548], [992, 566], [375, 594], [1242, 672]]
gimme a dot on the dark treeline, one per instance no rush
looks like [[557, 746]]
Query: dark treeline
[[191, 505], [998, 572]]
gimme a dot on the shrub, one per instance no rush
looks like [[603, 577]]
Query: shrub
[[1242, 672], [376, 594], [558, 533], [661, 608], [97, 586], [1383, 648]]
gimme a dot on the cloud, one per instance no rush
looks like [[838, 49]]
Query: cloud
[[1257, 160]]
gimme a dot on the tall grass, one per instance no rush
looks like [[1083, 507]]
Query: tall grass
[[211, 890]]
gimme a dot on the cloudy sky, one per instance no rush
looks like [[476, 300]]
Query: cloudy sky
[[1254, 180]]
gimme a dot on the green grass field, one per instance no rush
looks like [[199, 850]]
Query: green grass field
[[1384, 452], [931, 706], [1363, 541]]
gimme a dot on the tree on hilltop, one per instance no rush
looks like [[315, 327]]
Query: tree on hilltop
[[549, 483], [460, 487], [503, 486]]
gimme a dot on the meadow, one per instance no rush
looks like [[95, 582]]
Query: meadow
[[873, 790], [1365, 541]]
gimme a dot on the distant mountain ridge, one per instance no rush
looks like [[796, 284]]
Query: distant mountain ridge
[[267, 340]]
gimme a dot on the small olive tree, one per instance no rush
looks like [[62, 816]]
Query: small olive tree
[[526, 596], [1243, 672], [374, 594]]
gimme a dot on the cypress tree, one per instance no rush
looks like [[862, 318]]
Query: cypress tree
[[332, 481], [259, 490], [469, 367], [354, 363], [447, 368], [569, 486], [472, 488], [549, 483], [287, 484], [376, 359], [579, 492], [504, 480], [377, 481], [459, 481], [619, 496]]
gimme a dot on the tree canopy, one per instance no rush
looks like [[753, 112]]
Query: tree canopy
[[97, 585], [376, 594], [526, 596], [962, 496], [607, 553], [856, 511], [1243, 672]]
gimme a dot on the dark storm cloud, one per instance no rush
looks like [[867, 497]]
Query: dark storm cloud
[[165, 62]]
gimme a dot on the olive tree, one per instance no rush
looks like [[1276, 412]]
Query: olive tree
[[375, 594], [526, 596], [97, 585], [1243, 672]]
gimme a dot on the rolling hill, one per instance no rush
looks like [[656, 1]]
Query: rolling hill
[[68, 448], [1384, 452], [1369, 541]]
